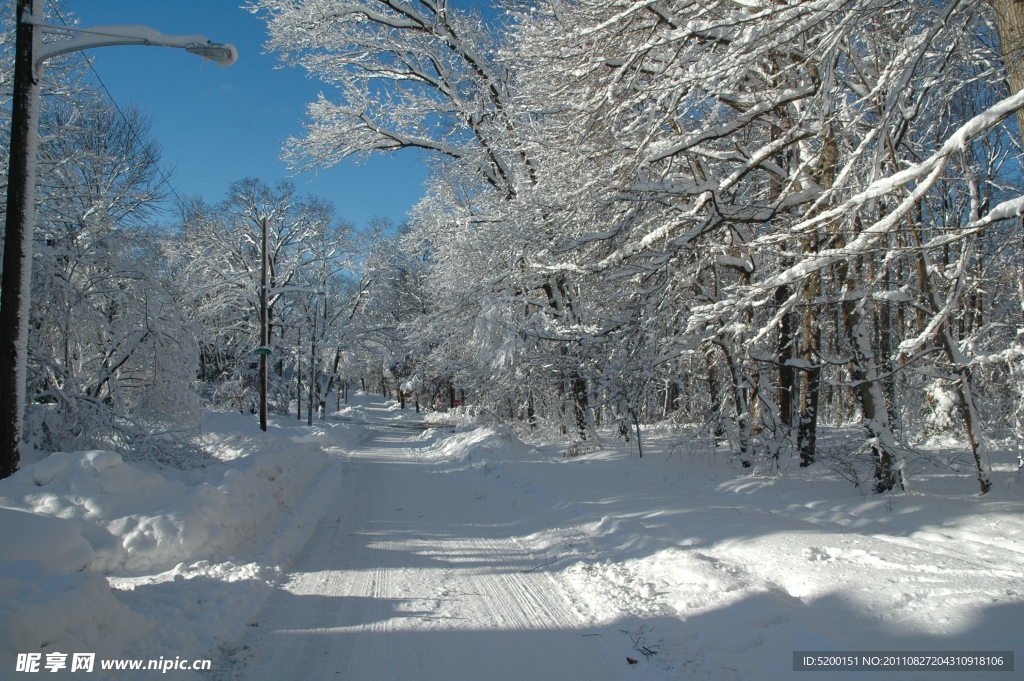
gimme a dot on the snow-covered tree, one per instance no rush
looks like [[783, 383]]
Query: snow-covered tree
[[217, 259], [406, 75], [111, 362], [777, 143], [778, 209]]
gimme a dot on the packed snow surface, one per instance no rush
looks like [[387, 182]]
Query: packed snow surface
[[380, 545]]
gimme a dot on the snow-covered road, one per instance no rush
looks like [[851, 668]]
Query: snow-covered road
[[472, 556], [410, 574]]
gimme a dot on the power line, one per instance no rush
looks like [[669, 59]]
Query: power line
[[164, 179]]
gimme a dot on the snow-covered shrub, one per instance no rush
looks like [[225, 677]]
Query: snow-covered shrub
[[940, 408]]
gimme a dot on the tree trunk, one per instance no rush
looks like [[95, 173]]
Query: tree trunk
[[298, 391], [298, 381], [874, 413], [739, 393], [312, 378], [810, 374], [885, 353], [807, 429], [671, 397], [964, 382], [810, 387], [783, 355], [1010, 23], [580, 404], [716, 403]]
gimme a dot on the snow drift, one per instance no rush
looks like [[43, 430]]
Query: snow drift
[[73, 517]]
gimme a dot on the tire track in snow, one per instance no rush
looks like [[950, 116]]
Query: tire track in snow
[[383, 592], [511, 598]]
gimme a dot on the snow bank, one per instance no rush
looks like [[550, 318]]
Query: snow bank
[[43, 608], [72, 517], [480, 445], [28, 536], [136, 518]]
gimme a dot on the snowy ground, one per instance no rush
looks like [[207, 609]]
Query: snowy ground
[[370, 548]]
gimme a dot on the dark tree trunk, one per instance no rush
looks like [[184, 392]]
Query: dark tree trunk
[[716, 403], [783, 354], [581, 404], [810, 376]]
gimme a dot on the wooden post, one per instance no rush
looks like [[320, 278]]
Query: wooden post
[[15, 288], [264, 339]]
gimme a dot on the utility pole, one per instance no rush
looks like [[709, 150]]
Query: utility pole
[[16, 281], [313, 377], [264, 349], [17, 274]]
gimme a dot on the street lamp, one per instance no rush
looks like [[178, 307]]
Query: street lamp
[[15, 296], [107, 36]]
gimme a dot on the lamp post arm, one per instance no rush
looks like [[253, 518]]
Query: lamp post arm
[[106, 36]]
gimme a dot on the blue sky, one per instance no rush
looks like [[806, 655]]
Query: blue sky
[[219, 124]]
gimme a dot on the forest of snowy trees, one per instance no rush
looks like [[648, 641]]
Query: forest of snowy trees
[[759, 216], [755, 218]]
